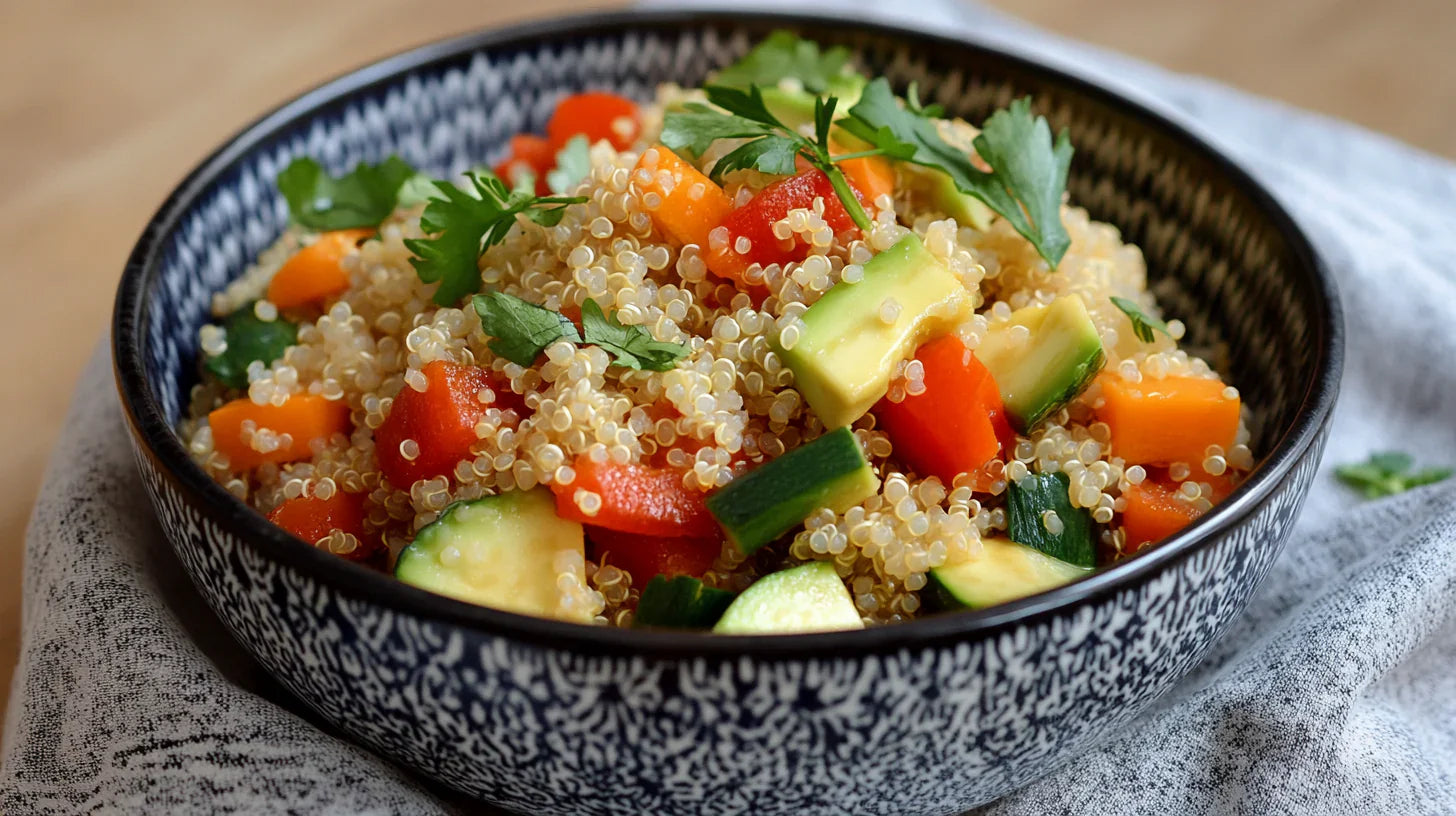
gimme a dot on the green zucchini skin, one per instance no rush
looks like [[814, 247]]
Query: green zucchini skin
[[680, 602], [762, 505], [1028, 498]]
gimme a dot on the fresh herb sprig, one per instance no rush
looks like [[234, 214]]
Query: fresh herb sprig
[[521, 330], [771, 146], [361, 198], [1143, 324], [573, 164], [1028, 170], [464, 225], [782, 55], [1389, 473]]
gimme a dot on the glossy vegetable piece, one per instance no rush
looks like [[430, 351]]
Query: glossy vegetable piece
[[691, 203], [767, 502], [304, 417], [249, 339], [500, 551], [440, 420], [312, 519], [597, 115], [806, 598], [529, 154], [636, 498], [1002, 571], [645, 556], [951, 428], [680, 603], [1153, 513], [1174, 419], [753, 223], [1042, 358], [1068, 537], [315, 272], [872, 176]]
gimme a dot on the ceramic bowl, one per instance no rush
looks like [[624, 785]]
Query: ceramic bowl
[[545, 717]]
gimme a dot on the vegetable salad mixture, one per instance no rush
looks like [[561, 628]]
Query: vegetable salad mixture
[[788, 352]]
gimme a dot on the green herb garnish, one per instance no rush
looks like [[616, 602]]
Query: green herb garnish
[[771, 146], [417, 189], [361, 198], [464, 225], [630, 346], [1028, 171], [784, 55], [1143, 324], [1386, 474], [249, 339], [573, 165], [521, 330]]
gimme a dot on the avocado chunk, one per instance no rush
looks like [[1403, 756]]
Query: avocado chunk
[[938, 191], [1027, 503], [1004, 571], [795, 108], [680, 602], [847, 348], [500, 551], [765, 503], [807, 598], [1040, 372]]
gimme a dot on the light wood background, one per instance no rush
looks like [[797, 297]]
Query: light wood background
[[105, 105]]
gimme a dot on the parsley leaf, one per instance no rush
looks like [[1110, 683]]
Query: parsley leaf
[[573, 165], [248, 339], [1386, 474], [630, 346], [465, 224], [1143, 324], [784, 55], [1028, 171], [772, 146], [521, 330], [417, 189], [362, 198]]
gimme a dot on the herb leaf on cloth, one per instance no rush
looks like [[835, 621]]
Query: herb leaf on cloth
[[1388, 473], [361, 198], [1028, 170], [630, 346]]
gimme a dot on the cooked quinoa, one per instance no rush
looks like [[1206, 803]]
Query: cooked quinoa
[[733, 401]]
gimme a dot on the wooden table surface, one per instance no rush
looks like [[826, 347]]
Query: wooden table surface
[[107, 105]]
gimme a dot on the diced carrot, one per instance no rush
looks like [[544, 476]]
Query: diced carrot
[[1174, 419], [311, 519], [646, 556], [692, 205], [597, 115], [873, 176], [1153, 513], [314, 272], [947, 430], [304, 417], [440, 420], [639, 499]]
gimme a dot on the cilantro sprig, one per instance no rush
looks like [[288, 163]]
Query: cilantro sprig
[[783, 54], [465, 224], [1388, 473], [770, 147], [1028, 170], [361, 198], [1143, 324], [521, 330]]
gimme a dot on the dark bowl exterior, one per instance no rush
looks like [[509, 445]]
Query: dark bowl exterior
[[543, 717]]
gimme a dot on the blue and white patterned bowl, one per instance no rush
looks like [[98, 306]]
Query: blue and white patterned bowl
[[545, 717]]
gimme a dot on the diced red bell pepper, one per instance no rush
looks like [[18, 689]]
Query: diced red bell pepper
[[639, 499], [597, 115], [311, 519], [754, 221], [1153, 513], [441, 420], [529, 154], [646, 556], [958, 424]]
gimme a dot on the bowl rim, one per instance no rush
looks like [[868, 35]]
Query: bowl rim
[[360, 584]]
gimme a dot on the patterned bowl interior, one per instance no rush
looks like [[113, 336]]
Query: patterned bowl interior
[[1216, 258]]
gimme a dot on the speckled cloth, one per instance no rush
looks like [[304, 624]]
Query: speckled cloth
[[1334, 694]]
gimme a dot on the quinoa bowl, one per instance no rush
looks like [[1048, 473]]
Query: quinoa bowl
[[547, 716]]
